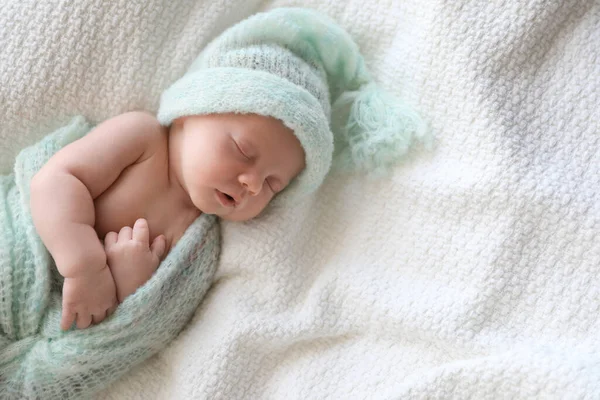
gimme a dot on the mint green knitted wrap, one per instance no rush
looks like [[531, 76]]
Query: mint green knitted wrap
[[37, 359], [299, 66]]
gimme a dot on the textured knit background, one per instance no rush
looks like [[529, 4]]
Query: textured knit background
[[472, 272]]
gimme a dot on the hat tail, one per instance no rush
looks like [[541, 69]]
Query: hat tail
[[379, 129]]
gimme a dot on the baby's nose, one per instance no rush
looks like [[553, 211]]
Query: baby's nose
[[252, 184]]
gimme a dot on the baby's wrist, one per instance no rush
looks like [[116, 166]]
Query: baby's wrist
[[83, 273]]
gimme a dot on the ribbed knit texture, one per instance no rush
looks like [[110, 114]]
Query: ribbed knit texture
[[291, 64], [37, 360]]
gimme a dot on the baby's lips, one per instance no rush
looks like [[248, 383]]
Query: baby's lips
[[224, 200]]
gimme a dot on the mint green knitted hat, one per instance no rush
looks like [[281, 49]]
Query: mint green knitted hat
[[297, 65]]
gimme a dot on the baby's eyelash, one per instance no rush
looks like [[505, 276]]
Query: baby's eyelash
[[239, 148]]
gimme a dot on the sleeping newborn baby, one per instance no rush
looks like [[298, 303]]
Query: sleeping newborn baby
[[247, 125], [149, 183]]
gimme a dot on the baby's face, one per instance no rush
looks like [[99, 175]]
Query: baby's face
[[232, 165]]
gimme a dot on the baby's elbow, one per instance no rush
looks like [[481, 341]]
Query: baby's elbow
[[42, 189], [38, 196], [37, 183]]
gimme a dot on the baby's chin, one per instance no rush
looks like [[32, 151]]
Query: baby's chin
[[238, 216], [244, 213]]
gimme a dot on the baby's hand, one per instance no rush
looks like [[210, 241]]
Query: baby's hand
[[88, 298], [131, 259]]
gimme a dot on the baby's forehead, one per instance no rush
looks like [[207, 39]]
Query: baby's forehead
[[246, 119], [254, 119], [261, 127]]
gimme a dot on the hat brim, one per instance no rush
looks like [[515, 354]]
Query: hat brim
[[245, 91]]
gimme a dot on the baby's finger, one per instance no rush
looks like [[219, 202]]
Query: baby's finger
[[111, 310], [158, 246], [110, 239], [67, 319], [125, 234], [97, 318], [141, 233], [83, 320]]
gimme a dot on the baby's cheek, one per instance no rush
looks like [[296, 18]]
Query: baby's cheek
[[268, 198], [255, 206]]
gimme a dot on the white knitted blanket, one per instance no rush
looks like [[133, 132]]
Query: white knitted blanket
[[472, 272]]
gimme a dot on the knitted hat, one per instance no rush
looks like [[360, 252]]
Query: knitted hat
[[296, 65]]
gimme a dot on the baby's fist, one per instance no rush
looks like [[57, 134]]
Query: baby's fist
[[131, 258]]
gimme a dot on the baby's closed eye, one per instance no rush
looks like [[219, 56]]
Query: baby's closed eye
[[241, 149]]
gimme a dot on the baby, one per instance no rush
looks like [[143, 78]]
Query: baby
[[248, 124], [132, 172]]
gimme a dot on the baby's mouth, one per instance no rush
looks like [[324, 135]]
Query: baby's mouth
[[225, 199]]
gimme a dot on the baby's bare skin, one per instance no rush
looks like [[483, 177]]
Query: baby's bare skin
[[130, 169], [132, 257], [144, 190]]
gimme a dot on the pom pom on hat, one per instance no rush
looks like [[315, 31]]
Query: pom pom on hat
[[378, 132], [292, 64]]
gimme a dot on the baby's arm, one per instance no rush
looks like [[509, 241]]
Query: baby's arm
[[62, 208]]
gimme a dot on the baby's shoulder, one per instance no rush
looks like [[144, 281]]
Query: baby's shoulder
[[142, 127], [138, 123]]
